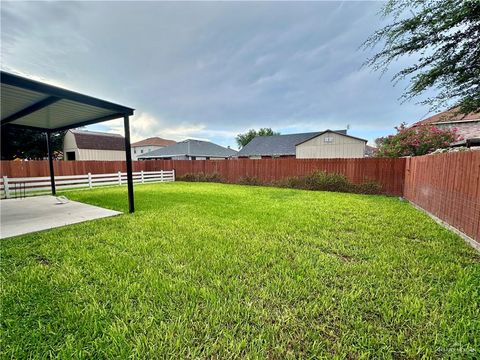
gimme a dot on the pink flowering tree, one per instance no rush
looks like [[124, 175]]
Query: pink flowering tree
[[420, 140]]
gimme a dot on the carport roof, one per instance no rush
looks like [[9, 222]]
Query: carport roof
[[32, 104]]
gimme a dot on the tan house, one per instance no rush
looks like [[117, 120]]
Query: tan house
[[93, 145], [327, 144], [147, 145]]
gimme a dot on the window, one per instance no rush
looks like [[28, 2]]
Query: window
[[328, 139], [70, 155], [141, 151], [134, 151]]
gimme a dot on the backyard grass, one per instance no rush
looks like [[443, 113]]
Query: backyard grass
[[225, 271]]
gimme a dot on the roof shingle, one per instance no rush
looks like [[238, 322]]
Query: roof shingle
[[98, 140], [191, 148], [154, 141], [448, 116]]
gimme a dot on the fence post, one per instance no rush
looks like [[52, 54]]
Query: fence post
[[141, 176], [161, 175], [90, 180], [173, 172], [6, 189], [119, 178]]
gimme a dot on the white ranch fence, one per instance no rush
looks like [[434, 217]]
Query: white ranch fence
[[19, 187]]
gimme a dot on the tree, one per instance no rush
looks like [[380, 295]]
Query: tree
[[415, 141], [20, 143], [245, 138], [445, 35]]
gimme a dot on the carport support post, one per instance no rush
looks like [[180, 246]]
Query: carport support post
[[50, 162], [128, 158]]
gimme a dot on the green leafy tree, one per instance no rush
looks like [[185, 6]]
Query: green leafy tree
[[18, 143], [445, 35], [415, 141], [245, 138]]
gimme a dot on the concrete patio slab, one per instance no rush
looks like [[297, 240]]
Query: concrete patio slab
[[31, 214]]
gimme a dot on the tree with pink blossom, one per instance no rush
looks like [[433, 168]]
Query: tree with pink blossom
[[415, 141]]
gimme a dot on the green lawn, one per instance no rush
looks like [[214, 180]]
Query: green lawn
[[225, 271]]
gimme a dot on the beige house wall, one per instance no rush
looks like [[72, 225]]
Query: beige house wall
[[108, 155], [329, 146]]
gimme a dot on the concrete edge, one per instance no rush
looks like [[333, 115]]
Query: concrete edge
[[470, 241]]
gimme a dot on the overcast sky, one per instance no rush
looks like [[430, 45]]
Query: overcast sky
[[212, 70]]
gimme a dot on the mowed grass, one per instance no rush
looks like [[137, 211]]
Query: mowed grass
[[225, 271]]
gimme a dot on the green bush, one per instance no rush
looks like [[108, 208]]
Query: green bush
[[201, 177], [250, 180], [369, 188], [323, 181]]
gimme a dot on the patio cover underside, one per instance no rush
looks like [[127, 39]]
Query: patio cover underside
[[32, 104]]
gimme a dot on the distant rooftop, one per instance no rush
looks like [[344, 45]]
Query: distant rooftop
[[154, 141], [449, 116], [191, 147]]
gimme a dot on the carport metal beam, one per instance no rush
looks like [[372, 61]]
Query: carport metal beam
[[128, 159], [50, 162]]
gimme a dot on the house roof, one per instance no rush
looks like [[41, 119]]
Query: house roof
[[447, 117], [280, 145], [98, 140], [191, 147], [370, 150], [154, 141]]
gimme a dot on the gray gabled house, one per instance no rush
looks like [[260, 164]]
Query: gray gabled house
[[314, 145], [190, 150]]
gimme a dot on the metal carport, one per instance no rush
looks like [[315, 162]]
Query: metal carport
[[39, 106]]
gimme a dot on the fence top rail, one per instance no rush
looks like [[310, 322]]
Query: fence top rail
[[46, 179]]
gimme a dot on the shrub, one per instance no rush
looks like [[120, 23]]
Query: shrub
[[201, 177], [291, 183], [191, 177], [214, 177], [368, 188], [323, 181], [250, 180]]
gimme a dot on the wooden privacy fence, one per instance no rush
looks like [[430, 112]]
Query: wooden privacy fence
[[388, 172], [21, 186], [447, 186]]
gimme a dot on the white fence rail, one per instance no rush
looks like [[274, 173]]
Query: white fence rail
[[13, 187]]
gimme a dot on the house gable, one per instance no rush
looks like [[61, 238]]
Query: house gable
[[331, 144]]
